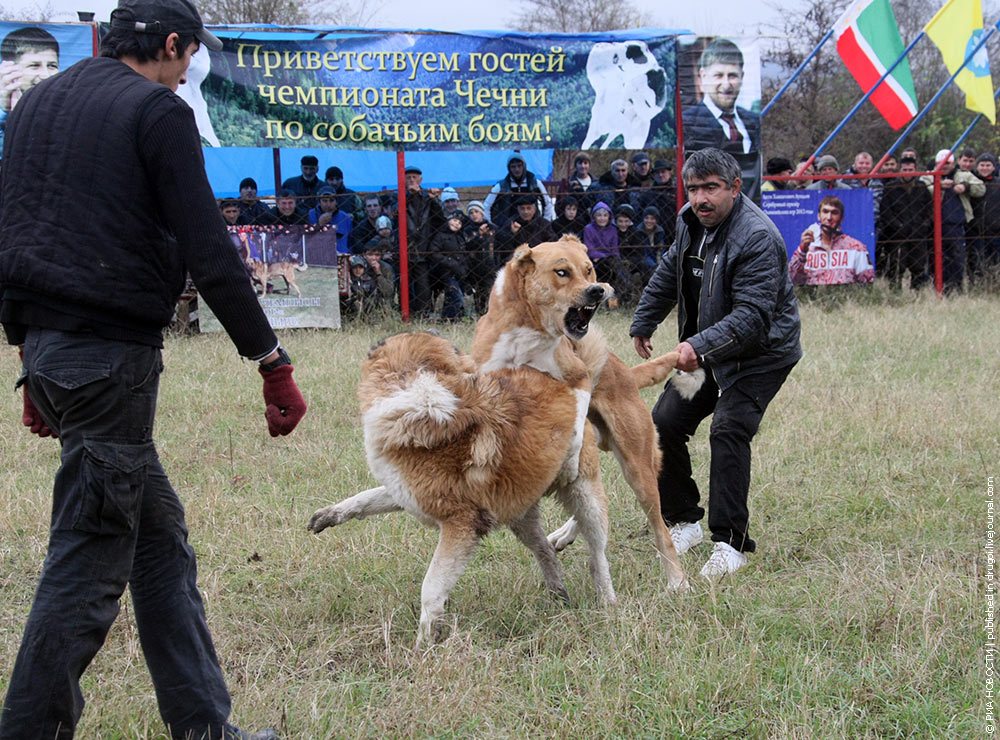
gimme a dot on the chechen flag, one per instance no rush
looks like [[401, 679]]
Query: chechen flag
[[868, 41]]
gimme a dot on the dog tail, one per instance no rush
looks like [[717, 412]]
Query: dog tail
[[656, 371]]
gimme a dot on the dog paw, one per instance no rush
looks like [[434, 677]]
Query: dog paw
[[564, 536], [680, 586], [328, 516]]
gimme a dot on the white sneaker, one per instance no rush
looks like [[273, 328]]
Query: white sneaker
[[724, 560], [686, 536]]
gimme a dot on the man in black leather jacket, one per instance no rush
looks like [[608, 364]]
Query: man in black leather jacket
[[738, 320]]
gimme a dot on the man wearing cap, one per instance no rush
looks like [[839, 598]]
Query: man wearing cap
[[304, 186], [717, 121], [327, 215], [528, 228], [499, 203], [641, 175], [252, 211], [88, 312], [347, 200], [781, 167], [827, 168], [582, 185], [424, 218], [662, 196]]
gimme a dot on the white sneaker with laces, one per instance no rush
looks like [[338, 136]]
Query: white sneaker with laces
[[725, 559], [685, 536]]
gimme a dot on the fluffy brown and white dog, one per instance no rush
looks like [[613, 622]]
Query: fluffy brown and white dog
[[264, 271], [466, 451], [539, 316]]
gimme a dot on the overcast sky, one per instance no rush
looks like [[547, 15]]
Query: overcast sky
[[726, 17]]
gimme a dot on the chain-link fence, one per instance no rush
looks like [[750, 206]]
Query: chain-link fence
[[929, 229]]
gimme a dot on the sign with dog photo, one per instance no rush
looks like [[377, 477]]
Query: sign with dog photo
[[294, 291], [382, 90]]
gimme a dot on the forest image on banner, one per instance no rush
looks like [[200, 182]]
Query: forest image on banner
[[415, 91]]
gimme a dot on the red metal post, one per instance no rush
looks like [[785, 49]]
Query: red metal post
[[404, 265], [938, 267], [679, 125]]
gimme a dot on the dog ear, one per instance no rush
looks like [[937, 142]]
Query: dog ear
[[522, 259]]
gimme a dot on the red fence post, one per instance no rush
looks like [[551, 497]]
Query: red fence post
[[404, 264], [938, 266]]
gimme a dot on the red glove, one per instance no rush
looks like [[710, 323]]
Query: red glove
[[30, 416], [285, 404]]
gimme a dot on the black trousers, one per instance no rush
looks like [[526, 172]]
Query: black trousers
[[116, 521], [737, 412]]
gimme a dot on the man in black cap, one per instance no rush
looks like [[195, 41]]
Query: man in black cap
[[528, 228], [641, 175], [252, 211], [88, 314], [424, 217], [305, 185], [348, 200], [662, 196]]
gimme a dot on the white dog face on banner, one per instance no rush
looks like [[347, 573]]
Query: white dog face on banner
[[190, 93], [631, 89]]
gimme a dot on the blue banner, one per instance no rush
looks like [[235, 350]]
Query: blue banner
[[386, 91]]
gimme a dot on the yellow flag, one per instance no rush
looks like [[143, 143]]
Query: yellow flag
[[957, 29]]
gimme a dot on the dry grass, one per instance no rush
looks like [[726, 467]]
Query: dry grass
[[860, 616]]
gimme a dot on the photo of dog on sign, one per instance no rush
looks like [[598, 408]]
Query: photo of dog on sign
[[630, 89]]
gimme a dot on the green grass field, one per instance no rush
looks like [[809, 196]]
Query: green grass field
[[860, 616]]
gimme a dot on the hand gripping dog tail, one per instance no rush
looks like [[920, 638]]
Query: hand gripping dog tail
[[29, 415], [285, 404]]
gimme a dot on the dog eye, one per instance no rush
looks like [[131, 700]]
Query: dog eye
[[562, 273]]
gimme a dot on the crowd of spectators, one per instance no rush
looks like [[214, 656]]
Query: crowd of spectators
[[903, 205], [626, 217], [455, 249]]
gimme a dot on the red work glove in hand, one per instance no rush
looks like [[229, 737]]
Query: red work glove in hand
[[285, 404], [30, 416]]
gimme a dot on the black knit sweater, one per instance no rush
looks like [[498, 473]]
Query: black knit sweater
[[105, 206]]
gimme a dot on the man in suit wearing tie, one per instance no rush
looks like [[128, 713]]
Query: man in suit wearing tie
[[717, 121]]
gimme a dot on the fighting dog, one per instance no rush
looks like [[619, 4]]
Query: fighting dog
[[466, 451], [539, 316]]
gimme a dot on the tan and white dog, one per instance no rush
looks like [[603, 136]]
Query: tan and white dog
[[264, 271], [539, 316], [466, 450]]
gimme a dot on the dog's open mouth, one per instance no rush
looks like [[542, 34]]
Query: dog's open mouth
[[577, 320]]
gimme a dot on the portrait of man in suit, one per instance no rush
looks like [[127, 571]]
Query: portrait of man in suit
[[716, 120]]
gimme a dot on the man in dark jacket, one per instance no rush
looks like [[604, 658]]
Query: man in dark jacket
[[905, 222], [738, 320], [86, 296], [501, 207], [424, 218], [528, 228], [304, 186]]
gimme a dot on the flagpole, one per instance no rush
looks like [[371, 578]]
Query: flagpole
[[867, 95], [940, 92], [796, 73], [972, 125]]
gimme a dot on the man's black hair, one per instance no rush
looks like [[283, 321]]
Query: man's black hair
[[144, 47], [706, 163], [29, 38]]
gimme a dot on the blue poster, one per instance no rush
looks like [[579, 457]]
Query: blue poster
[[829, 234]]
